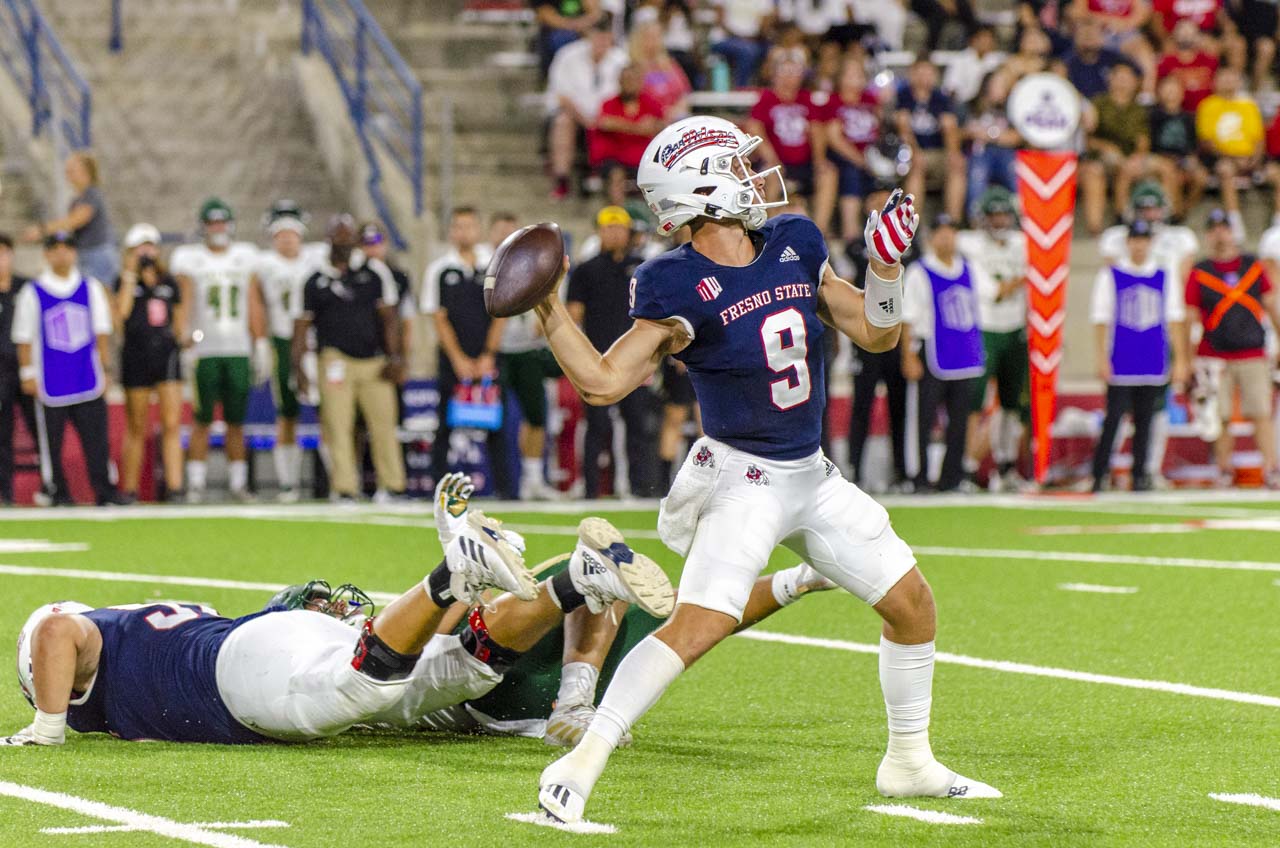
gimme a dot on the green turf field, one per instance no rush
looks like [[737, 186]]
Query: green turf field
[[1058, 697]]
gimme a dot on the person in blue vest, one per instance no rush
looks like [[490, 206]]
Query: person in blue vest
[[62, 327], [1137, 313], [942, 348]]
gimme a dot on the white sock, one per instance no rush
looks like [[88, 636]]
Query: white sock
[[50, 728], [577, 684], [238, 475], [197, 474], [790, 584], [642, 676], [286, 458], [906, 679], [1005, 438], [1158, 444], [532, 468]]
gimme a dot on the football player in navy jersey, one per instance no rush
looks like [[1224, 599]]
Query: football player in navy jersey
[[744, 306]]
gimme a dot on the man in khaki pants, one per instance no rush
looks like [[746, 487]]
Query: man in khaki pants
[[352, 305]]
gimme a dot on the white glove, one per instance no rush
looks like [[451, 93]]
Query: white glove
[[29, 736], [889, 233], [263, 360], [453, 492]]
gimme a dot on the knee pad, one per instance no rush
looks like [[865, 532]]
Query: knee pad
[[376, 659]]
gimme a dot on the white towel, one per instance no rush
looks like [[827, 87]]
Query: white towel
[[680, 510]]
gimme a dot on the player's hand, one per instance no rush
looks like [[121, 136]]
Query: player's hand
[[1181, 374], [889, 232], [27, 736], [1104, 371], [465, 369], [486, 365], [393, 372], [912, 367], [29, 388], [261, 361], [302, 386]]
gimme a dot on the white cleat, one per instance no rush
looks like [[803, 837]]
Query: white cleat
[[568, 723], [604, 569], [932, 781], [561, 803], [481, 558]]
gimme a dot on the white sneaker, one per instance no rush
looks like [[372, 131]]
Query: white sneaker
[[243, 496], [563, 803], [568, 722], [195, 496], [604, 569], [288, 496], [481, 558], [453, 493], [932, 781]]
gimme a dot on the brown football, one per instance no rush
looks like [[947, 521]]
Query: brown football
[[524, 269]]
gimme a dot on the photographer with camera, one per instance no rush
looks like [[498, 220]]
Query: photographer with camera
[[150, 312]]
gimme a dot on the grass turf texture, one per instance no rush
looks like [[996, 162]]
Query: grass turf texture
[[760, 743]]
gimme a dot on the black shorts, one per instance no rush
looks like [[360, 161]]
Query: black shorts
[[800, 178], [145, 365], [1256, 19], [677, 388]]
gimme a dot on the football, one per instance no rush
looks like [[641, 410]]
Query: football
[[524, 270]]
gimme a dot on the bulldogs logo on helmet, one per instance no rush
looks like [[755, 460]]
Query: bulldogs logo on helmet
[[698, 166]]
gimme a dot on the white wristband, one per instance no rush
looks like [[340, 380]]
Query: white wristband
[[882, 300], [50, 728], [28, 372]]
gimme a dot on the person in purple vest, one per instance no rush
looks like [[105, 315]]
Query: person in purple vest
[[1137, 314], [62, 327], [940, 307]]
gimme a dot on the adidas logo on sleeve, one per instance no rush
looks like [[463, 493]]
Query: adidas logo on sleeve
[[789, 255]]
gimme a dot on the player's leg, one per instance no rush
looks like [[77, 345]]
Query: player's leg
[[956, 397], [739, 528], [1225, 444], [850, 540], [377, 401], [1117, 398], [237, 379], [929, 392], [338, 421], [206, 389], [137, 403], [286, 455]]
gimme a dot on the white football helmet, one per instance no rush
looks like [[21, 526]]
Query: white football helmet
[[25, 677], [698, 167]]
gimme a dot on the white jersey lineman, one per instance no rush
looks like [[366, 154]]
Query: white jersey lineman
[[282, 280], [219, 296], [1002, 259]]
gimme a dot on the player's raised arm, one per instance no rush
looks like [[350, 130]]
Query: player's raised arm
[[606, 378], [58, 655], [872, 317]]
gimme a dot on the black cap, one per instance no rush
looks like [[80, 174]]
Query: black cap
[[60, 237], [942, 219], [1218, 218], [1140, 228]]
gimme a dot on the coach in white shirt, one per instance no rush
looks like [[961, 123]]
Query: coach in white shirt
[[62, 329], [583, 75]]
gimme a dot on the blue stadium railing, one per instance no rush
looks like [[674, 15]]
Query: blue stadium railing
[[57, 93], [383, 98]]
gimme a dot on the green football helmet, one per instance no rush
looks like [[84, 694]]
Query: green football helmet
[[997, 199], [215, 209], [347, 603], [1149, 201]]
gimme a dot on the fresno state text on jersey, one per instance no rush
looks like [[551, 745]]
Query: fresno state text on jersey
[[756, 357]]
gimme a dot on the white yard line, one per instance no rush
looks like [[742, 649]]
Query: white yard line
[[1098, 589], [40, 546], [543, 820], [127, 828], [930, 816], [1032, 670], [192, 833], [1091, 557], [1248, 799]]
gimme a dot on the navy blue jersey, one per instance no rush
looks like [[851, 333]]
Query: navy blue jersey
[[157, 676], [756, 357]]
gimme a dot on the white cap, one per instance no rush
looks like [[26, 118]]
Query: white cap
[[140, 234]]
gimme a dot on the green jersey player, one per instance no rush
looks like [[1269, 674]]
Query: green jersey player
[[227, 332]]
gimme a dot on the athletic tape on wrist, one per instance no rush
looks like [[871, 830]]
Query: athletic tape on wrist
[[883, 300]]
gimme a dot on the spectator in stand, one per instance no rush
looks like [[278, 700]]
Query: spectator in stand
[[469, 338], [1221, 37], [150, 312], [623, 129], [1229, 127], [1259, 24], [888, 18], [1089, 61], [12, 398], [993, 142], [1186, 58], [1273, 164], [599, 301], [1116, 148], [1230, 297], [351, 303], [936, 14], [1034, 52], [1137, 314], [785, 117], [66, 374], [942, 349], [827, 67], [663, 79], [583, 76], [1174, 148], [852, 123], [926, 120], [1122, 23], [739, 36], [561, 22], [676, 18], [789, 45], [963, 77], [524, 364], [86, 219]]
